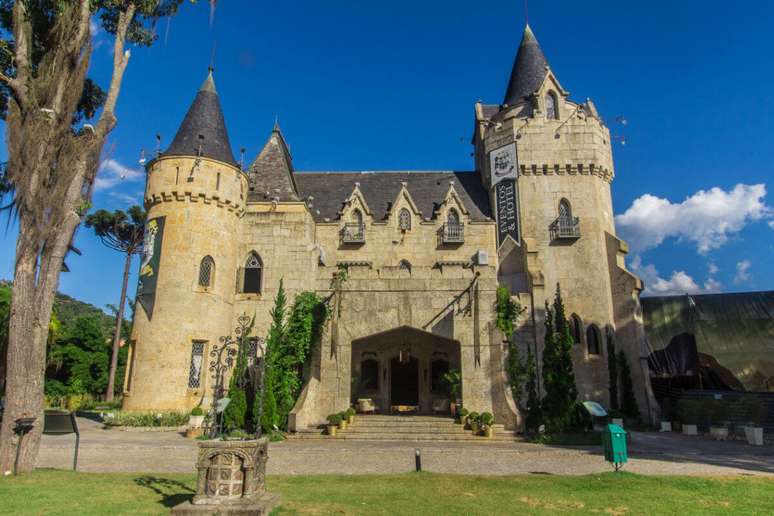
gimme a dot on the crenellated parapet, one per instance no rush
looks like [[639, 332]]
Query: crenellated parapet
[[196, 180]]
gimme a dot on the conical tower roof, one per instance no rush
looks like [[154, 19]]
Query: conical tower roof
[[203, 131], [272, 170], [529, 69]]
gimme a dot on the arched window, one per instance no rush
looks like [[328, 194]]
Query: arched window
[[576, 328], [453, 218], [565, 209], [593, 338], [206, 272], [357, 216], [438, 368], [253, 275], [369, 374], [552, 106], [404, 220]]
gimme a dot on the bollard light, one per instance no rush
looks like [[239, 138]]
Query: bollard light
[[418, 459]]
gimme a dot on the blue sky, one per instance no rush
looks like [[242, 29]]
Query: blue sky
[[361, 85]]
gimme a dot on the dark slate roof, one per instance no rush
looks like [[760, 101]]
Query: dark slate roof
[[529, 69], [204, 117], [330, 190], [271, 174]]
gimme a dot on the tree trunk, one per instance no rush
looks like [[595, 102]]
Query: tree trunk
[[117, 336], [31, 306]]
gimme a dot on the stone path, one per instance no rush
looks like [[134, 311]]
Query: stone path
[[650, 453]]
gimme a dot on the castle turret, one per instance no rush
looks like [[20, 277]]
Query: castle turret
[[195, 195]]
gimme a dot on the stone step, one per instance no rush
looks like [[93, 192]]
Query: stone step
[[504, 437]]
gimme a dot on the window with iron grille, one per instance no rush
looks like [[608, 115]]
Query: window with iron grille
[[206, 270], [195, 370], [404, 220]]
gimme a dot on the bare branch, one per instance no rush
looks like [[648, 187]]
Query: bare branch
[[21, 34], [120, 59]]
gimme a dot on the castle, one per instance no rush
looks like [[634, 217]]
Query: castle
[[424, 254]]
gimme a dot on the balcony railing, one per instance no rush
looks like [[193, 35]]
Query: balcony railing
[[353, 233], [565, 228], [452, 233]]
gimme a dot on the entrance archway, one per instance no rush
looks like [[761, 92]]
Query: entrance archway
[[404, 382]]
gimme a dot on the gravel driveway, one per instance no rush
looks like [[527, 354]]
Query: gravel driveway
[[649, 453]]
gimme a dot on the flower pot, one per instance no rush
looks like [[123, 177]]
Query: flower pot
[[666, 426], [754, 435], [719, 433], [460, 420], [618, 421], [474, 427], [343, 425], [332, 430], [489, 431], [690, 430], [351, 420], [195, 421]]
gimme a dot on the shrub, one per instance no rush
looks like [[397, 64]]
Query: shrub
[[463, 412], [334, 419], [128, 418], [197, 411], [689, 412], [350, 412], [487, 418], [753, 409], [473, 417]]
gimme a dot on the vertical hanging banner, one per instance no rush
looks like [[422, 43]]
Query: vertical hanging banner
[[502, 164], [149, 267], [507, 212], [503, 170]]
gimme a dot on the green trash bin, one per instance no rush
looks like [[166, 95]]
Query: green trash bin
[[614, 439]]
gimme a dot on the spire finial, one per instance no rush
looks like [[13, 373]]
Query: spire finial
[[276, 127], [526, 13]]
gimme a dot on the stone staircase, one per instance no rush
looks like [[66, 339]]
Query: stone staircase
[[405, 428]]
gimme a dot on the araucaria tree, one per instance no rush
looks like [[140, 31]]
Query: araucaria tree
[[559, 404], [53, 157], [123, 233]]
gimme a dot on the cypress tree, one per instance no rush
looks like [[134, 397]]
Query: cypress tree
[[628, 400], [273, 387], [612, 370], [534, 413], [561, 396]]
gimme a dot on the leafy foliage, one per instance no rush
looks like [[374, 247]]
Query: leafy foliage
[[119, 230], [534, 412], [628, 400], [559, 404], [163, 418], [508, 312]]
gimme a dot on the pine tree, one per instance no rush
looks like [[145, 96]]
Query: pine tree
[[628, 400], [612, 369], [559, 403]]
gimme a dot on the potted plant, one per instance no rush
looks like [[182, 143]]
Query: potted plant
[[473, 422], [718, 411], [689, 412], [453, 381], [667, 415], [333, 424], [487, 423], [463, 416], [196, 418], [755, 412], [350, 416], [343, 420]]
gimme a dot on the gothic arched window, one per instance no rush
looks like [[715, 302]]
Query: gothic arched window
[[453, 218], [576, 328], [404, 220], [369, 374], [593, 338], [357, 216], [252, 281], [610, 340], [565, 209], [552, 106], [206, 272]]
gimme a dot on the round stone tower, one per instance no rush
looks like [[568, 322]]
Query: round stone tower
[[195, 196]]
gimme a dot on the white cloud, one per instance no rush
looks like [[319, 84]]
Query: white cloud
[[707, 218], [713, 269], [743, 271], [679, 282], [111, 172], [93, 27], [127, 198]]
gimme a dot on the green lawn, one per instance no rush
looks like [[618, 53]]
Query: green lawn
[[62, 492]]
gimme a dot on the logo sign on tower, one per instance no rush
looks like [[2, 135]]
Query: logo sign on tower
[[149, 267], [502, 164]]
